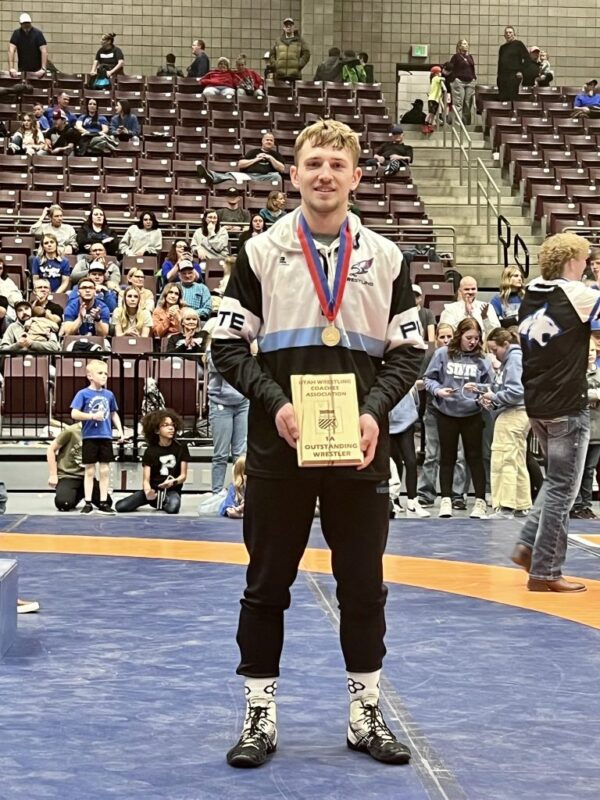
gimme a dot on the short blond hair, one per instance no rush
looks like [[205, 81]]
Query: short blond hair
[[329, 133], [94, 365], [557, 250]]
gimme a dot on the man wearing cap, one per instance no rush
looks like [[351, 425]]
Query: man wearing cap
[[196, 295], [97, 273], [60, 139], [97, 254], [289, 55], [29, 45], [19, 337], [86, 314], [233, 216], [394, 153], [262, 163], [587, 102]]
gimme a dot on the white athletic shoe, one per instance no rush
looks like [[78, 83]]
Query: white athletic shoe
[[414, 509], [445, 507], [479, 510]]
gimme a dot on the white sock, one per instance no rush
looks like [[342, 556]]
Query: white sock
[[364, 686], [260, 690]]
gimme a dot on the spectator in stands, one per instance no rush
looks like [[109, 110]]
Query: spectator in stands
[[462, 79], [41, 119], [98, 274], [262, 163], [210, 240], [275, 208], [65, 470], [393, 154], [220, 82], [28, 139], [165, 462], [61, 139], [201, 64], [136, 278], [331, 68], [166, 317], [289, 55], [42, 305], [506, 303], [96, 229], [402, 420], [218, 292], [131, 318], [467, 305], [61, 103], [352, 69], [257, 226], [531, 68], [169, 68], [35, 334], [435, 99], [191, 339], [49, 264], [144, 238], [180, 251], [512, 60], [233, 216], [587, 102], [425, 315], [86, 313], [109, 57], [250, 83], [196, 295], [51, 221], [452, 378], [97, 253], [546, 75], [94, 130], [582, 507], [592, 274], [30, 47], [124, 125], [416, 115], [9, 295]]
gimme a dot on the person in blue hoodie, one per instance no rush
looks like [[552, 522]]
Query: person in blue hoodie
[[402, 420], [506, 303], [454, 378], [511, 493]]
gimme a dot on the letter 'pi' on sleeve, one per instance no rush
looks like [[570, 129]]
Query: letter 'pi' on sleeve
[[404, 325]]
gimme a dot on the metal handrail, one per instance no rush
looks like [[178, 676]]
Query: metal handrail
[[520, 246], [461, 143], [488, 192], [505, 242]]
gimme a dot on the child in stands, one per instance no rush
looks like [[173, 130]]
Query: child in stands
[[97, 409], [233, 505], [436, 96]]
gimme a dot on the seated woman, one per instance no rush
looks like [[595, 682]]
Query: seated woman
[[95, 229], [166, 317], [93, 128], [257, 226], [28, 139], [124, 125], [250, 82], [165, 465], [506, 303], [51, 221], [180, 251], [136, 278], [144, 238], [130, 318], [49, 264], [191, 340], [220, 82], [210, 240], [275, 208]]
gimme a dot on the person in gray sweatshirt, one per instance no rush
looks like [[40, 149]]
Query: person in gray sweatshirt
[[509, 478], [454, 378]]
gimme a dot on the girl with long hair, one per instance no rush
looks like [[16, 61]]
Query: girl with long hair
[[512, 290], [233, 505], [144, 238], [257, 226], [180, 250], [28, 139], [130, 317], [96, 229], [49, 264], [210, 240], [275, 208], [166, 317]]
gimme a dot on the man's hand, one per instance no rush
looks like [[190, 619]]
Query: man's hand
[[369, 435], [24, 341], [40, 73], [484, 310], [286, 424]]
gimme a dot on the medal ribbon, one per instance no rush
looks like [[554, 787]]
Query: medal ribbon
[[330, 301]]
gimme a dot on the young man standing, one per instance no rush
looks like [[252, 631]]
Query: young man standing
[[512, 60], [323, 295], [555, 318]]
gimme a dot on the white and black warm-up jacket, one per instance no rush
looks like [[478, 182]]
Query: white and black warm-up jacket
[[271, 298]]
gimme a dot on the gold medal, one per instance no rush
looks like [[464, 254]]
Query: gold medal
[[330, 336]]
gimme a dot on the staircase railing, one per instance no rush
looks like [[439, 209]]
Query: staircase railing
[[488, 195], [460, 147]]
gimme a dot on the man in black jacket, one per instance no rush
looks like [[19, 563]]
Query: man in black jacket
[[331, 68], [512, 60], [201, 64]]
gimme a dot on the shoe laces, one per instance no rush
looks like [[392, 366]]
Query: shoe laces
[[258, 725], [374, 724]]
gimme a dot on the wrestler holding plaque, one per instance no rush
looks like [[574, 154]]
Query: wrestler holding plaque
[[331, 307]]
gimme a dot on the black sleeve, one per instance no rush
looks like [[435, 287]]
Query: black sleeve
[[3, 301], [40, 39], [97, 56], [118, 54]]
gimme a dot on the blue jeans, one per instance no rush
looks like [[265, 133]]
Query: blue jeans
[[584, 498], [229, 426], [427, 484], [564, 442]]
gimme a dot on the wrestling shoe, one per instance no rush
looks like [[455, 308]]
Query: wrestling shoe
[[258, 739], [104, 508], [445, 507], [88, 508], [368, 733]]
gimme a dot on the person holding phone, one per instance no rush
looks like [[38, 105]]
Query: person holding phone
[[452, 378]]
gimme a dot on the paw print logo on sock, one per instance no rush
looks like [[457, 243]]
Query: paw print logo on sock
[[354, 687], [271, 689]]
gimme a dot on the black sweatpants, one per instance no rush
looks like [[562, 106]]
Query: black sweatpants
[[470, 430], [508, 86], [402, 451], [278, 515], [69, 492]]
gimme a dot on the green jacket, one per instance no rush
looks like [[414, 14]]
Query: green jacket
[[289, 57]]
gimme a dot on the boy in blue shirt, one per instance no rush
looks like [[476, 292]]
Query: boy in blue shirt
[[96, 408]]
